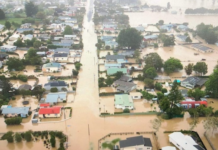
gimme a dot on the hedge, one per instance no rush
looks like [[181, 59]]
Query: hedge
[[109, 94], [13, 121]]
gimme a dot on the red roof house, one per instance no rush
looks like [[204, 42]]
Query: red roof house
[[192, 104], [44, 105], [50, 112]]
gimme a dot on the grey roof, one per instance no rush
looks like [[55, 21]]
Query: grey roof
[[201, 47], [60, 55], [114, 57], [16, 110], [66, 50], [25, 87], [127, 53], [2, 55], [56, 83], [198, 147], [125, 78], [196, 81], [67, 41], [124, 86], [134, 141]]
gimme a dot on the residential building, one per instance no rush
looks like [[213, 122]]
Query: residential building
[[107, 38], [116, 58], [123, 86], [112, 71], [64, 45], [182, 28], [25, 87], [150, 39], [51, 67], [140, 28], [135, 95], [183, 142], [54, 98], [21, 30], [28, 37], [113, 65], [67, 41], [136, 143], [192, 82], [16, 111], [167, 27], [3, 56], [8, 48], [70, 37], [62, 50], [192, 104], [125, 78], [111, 44], [123, 101], [1, 27], [26, 26], [201, 48], [55, 84], [60, 57], [50, 112], [71, 20], [127, 53]]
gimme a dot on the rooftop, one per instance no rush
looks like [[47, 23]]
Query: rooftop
[[111, 71], [135, 141], [56, 83], [16, 110], [124, 100], [25, 87], [51, 110], [53, 97], [60, 55], [52, 64], [115, 57], [201, 47]]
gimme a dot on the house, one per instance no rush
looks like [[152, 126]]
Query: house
[[65, 45], [25, 87], [43, 36], [26, 26], [50, 112], [112, 71], [183, 142], [51, 67], [111, 44], [41, 54], [72, 20], [136, 143], [16, 111], [5, 106], [62, 50], [127, 53], [60, 57], [182, 28], [123, 86], [1, 27], [150, 39], [201, 48], [28, 37], [167, 27], [8, 48], [116, 58], [21, 30], [135, 95], [107, 38], [55, 84], [3, 56], [192, 82], [114, 65], [54, 98], [140, 28], [67, 41], [123, 101], [44, 105], [192, 104], [70, 37], [181, 38], [125, 78]]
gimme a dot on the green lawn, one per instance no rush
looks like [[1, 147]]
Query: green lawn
[[17, 20]]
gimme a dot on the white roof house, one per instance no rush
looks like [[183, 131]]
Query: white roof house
[[28, 37], [183, 142], [8, 48], [1, 27]]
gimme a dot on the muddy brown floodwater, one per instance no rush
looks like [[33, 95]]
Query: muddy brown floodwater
[[85, 127]]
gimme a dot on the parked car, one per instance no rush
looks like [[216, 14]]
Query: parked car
[[203, 99], [154, 98]]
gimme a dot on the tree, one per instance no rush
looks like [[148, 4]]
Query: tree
[[15, 63], [151, 73], [130, 38], [6, 88], [167, 40], [137, 55], [188, 69], [37, 44], [200, 68], [110, 145], [8, 25], [2, 14], [158, 86], [68, 30], [164, 104], [18, 137], [77, 66], [172, 65], [188, 39], [109, 81], [149, 82], [13, 121], [32, 58], [155, 45], [8, 136], [197, 93], [40, 15], [212, 84], [153, 60], [52, 140], [28, 136], [31, 9], [19, 43], [53, 90], [160, 22]]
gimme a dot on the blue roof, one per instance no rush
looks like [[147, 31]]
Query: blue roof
[[53, 97], [150, 37], [21, 30], [182, 26], [111, 43], [107, 38], [167, 27], [61, 44], [15, 110]]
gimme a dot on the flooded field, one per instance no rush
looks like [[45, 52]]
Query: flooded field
[[18, 102]]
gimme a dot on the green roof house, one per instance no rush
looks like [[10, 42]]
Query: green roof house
[[51, 67], [111, 71], [123, 101]]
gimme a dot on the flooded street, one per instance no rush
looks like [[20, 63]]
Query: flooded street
[[85, 127]]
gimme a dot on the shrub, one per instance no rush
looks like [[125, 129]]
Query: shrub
[[158, 86], [64, 101], [53, 90], [164, 90], [126, 110], [23, 78], [216, 113], [18, 137], [52, 140], [13, 98], [8, 136], [75, 72], [74, 89], [165, 116], [13, 121], [28, 136]]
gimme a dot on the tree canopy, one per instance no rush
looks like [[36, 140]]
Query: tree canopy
[[130, 38], [189, 68], [154, 60], [196, 93], [167, 40], [212, 84], [68, 30], [200, 68], [2, 14], [31, 9], [15, 63], [32, 58], [151, 73], [172, 65], [8, 25]]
